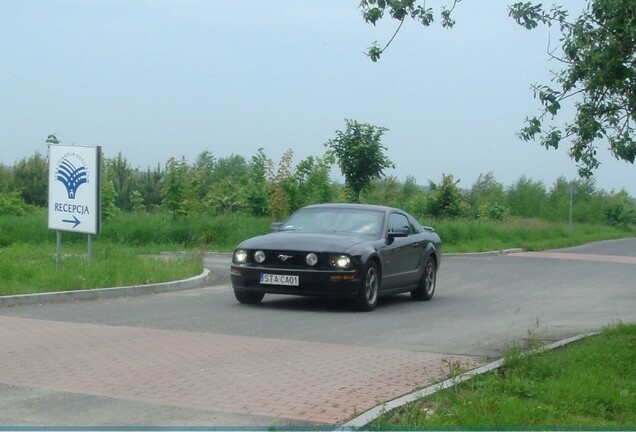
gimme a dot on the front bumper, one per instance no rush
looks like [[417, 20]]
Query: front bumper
[[320, 283]]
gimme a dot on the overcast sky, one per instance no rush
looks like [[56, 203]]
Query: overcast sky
[[160, 78]]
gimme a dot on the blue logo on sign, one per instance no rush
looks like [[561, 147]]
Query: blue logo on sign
[[72, 178]]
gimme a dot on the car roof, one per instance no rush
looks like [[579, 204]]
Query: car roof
[[356, 206]]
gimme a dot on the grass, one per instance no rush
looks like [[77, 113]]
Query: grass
[[529, 234], [29, 268], [588, 384], [222, 233], [27, 245], [218, 233]]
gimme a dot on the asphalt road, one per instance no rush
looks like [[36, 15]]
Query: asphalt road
[[483, 305]]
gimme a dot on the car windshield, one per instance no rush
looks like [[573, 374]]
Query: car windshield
[[334, 220]]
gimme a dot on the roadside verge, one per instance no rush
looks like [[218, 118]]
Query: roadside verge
[[365, 418], [99, 293]]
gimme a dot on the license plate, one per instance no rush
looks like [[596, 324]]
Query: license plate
[[274, 279]]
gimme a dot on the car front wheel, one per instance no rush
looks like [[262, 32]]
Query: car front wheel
[[248, 297], [369, 290], [426, 287]]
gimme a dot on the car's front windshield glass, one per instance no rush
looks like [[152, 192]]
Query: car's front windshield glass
[[334, 220]]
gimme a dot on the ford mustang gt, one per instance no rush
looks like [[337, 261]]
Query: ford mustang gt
[[354, 251]]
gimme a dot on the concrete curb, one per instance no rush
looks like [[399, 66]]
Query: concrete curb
[[365, 418], [99, 293], [488, 253]]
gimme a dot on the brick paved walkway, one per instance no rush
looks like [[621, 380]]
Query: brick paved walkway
[[314, 382]]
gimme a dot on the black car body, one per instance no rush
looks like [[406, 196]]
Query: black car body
[[339, 250]]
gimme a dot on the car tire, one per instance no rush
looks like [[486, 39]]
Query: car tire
[[248, 297], [369, 290], [426, 286]]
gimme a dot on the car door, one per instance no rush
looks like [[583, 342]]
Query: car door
[[404, 254]]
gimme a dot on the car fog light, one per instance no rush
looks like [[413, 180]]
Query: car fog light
[[311, 259], [259, 256]]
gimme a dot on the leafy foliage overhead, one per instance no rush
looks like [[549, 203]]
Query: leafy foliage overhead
[[374, 10], [598, 54], [598, 50]]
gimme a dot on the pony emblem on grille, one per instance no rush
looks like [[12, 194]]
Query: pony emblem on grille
[[284, 257]]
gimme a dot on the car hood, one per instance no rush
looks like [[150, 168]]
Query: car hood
[[299, 241]]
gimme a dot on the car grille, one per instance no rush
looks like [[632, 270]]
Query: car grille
[[292, 259]]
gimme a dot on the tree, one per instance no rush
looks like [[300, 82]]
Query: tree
[[137, 202], [360, 155], [109, 200], [620, 210], [203, 171], [6, 178], [445, 200], [312, 180], [385, 191], [150, 185], [487, 197], [598, 52], [257, 184], [558, 201], [119, 172], [280, 186], [526, 197], [228, 181], [31, 177], [108, 193], [233, 166], [52, 139], [177, 187]]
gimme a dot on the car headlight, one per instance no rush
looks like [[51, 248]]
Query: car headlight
[[259, 256], [240, 256], [311, 259], [341, 261]]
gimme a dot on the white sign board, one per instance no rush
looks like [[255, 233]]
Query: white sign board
[[74, 193]]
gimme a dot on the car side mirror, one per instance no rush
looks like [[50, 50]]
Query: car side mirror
[[274, 226], [397, 232]]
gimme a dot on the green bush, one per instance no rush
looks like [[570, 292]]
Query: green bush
[[11, 203], [224, 232]]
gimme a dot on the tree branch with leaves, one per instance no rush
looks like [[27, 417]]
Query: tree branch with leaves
[[598, 49], [598, 52]]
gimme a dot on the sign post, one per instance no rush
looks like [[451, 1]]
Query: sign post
[[74, 191]]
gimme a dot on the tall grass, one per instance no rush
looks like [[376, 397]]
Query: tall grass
[[529, 234], [587, 384], [31, 268], [224, 232], [220, 233]]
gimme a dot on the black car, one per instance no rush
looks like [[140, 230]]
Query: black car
[[353, 251]]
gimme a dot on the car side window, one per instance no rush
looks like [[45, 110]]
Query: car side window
[[416, 228], [398, 221]]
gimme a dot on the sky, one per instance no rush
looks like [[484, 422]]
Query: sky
[[155, 79]]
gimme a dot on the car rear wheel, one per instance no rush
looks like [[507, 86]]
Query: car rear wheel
[[369, 290], [248, 297], [426, 287]]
